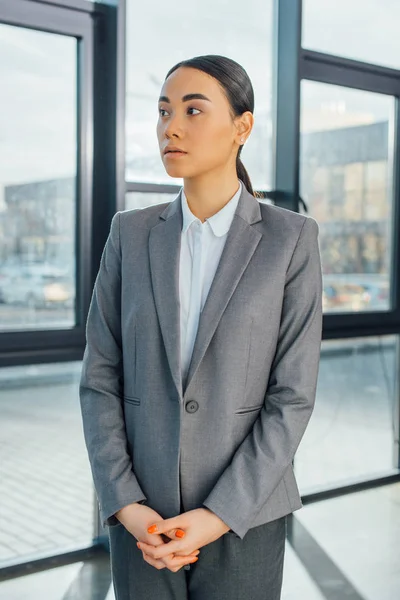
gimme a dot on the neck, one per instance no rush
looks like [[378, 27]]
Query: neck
[[208, 193]]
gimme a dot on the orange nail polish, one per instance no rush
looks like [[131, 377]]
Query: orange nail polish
[[152, 529], [179, 533], [194, 559]]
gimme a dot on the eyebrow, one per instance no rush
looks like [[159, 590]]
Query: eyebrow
[[186, 98]]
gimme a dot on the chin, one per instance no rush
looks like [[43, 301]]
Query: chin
[[176, 171]]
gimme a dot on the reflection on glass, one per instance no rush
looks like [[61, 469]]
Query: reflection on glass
[[346, 182], [141, 199], [366, 30], [351, 431], [218, 28], [38, 148], [47, 501]]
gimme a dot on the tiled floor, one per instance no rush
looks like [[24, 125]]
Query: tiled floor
[[361, 535], [46, 496], [52, 584], [344, 548]]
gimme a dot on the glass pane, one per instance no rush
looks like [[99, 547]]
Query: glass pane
[[218, 28], [47, 501], [38, 168], [366, 30], [356, 537], [346, 181], [351, 431], [140, 199]]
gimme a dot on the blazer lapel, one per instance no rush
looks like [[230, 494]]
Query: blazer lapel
[[240, 245], [164, 255], [164, 251]]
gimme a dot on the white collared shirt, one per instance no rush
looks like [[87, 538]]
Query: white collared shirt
[[201, 249]]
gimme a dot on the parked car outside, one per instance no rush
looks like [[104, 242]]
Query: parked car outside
[[344, 297], [377, 295], [36, 286]]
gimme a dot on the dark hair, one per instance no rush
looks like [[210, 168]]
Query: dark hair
[[238, 91]]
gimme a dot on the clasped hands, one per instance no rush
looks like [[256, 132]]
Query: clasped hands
[[188, 532]]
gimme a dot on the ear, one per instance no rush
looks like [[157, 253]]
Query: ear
[[244, 125]]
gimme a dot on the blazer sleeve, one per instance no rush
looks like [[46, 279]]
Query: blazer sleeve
[[261, 460], [101, 389]]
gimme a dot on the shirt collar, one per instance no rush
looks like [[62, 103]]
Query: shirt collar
[[220, 222]]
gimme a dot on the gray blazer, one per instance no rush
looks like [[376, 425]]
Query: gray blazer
[[226, 437]]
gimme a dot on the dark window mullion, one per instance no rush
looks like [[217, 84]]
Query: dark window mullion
[[286, 99], [326, 68]]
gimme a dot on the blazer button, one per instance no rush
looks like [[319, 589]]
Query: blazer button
[[192, 406]]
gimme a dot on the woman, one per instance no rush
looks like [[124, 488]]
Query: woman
[[200, 368]]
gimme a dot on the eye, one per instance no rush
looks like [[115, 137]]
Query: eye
[[161, 110]]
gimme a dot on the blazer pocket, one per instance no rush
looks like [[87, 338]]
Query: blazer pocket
[[132, 400], [248, 409]]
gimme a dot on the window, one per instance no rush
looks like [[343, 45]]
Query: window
[[140, 200], [346, 181], [351, 432], [38, 169], [365, 30]]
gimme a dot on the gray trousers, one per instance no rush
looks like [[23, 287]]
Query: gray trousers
[[228, 569]]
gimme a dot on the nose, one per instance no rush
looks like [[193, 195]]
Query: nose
[[173, 127]]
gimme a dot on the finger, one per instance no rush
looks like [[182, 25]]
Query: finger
[[166, 525], [163, 550], [174, 534], [158, 564], [155, 540], [178, 562], [179, 533], [181, 553], [176, 553], [171, 563]]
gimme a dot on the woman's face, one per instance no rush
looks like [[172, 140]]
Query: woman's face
[[200, 126]]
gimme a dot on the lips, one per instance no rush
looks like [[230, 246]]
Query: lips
[[173, 150]]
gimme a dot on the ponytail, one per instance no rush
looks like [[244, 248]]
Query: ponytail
[[243, 175]]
